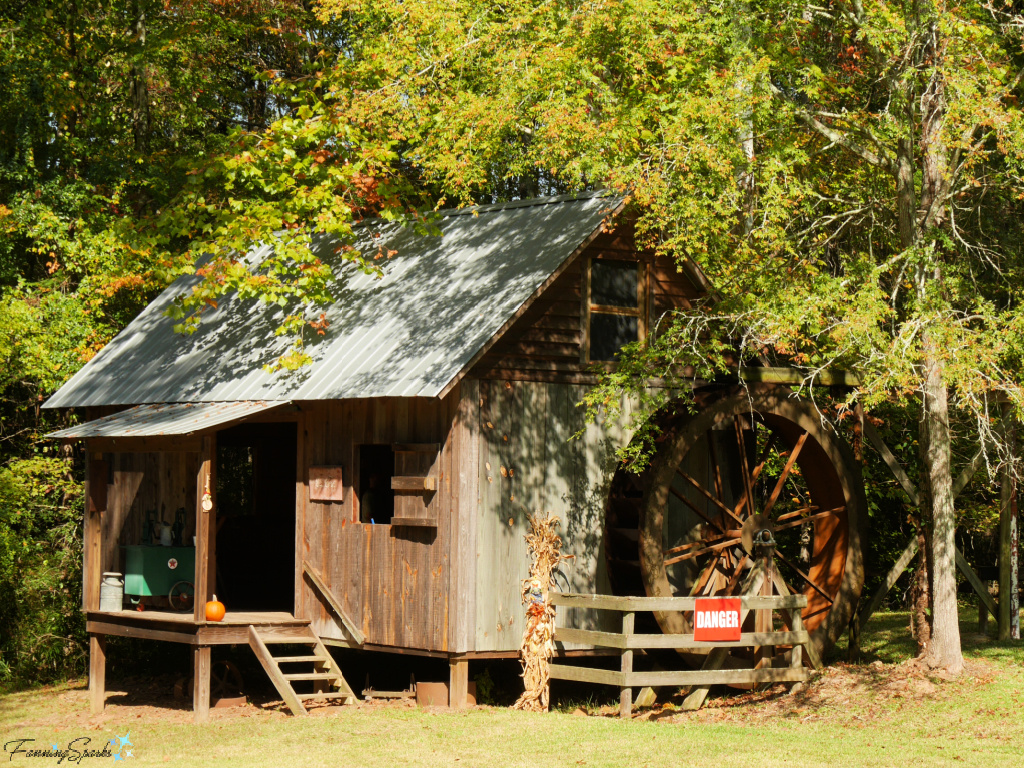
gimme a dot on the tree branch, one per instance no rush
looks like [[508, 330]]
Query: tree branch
[[842, 139]]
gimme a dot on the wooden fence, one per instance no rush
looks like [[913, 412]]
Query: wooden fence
[[627, 641]]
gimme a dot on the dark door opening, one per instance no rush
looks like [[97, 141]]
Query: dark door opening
[[256, 466]]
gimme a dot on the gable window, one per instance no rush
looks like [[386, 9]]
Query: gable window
[[614, 308]]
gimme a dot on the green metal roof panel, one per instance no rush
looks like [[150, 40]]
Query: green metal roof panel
[[408, 334], [166, 419]]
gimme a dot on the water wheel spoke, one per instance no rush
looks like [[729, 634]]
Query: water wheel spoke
[[714, 462], [738, 509], [719, 545], [773, 437], [705, 576], [777, 491], [704, 492], [809, 518], [734, 533], [748, 481], [713, 523], [734, 580], [795, 513], [805, 577]]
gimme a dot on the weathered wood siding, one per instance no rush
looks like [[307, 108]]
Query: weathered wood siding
[[394, 582], [527, 463], [544, 344], [161, 481]]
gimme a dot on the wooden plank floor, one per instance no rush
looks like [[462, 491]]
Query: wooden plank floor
[[231, 618]]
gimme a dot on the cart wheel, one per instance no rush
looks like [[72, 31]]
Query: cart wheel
[[182, 596], [225, 682]]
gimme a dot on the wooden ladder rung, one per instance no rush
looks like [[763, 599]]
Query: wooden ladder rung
[[296, 659], [312, 676], [289, 641]]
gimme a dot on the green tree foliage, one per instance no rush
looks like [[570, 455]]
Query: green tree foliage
[[109, 112], [847, 175]]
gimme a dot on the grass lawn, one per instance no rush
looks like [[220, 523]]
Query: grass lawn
[[884, 711]]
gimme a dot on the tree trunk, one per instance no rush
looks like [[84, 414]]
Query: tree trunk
[[139, 87], [945, 648], [920, 595], [935, 445]]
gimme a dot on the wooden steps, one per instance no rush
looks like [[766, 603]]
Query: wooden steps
[[324, 672]]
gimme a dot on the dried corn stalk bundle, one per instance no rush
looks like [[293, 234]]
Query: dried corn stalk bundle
[[537, 647]]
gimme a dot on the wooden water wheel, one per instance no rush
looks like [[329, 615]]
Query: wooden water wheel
[[754, 452]]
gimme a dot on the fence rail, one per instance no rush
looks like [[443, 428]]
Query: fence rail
[[627, 641]]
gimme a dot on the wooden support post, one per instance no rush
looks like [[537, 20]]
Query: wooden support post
[[755, 580], [96, 505], [300, 513], [97, 672], [458, 683], [982, 617], [1009, 601], [201, 684], [626, 693], [206, 528], [796, 659], [763, 618]]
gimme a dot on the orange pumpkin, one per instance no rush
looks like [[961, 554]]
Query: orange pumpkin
[[214, 610]]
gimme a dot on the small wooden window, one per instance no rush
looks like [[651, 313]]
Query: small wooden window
[[376, 499], [615, 307]]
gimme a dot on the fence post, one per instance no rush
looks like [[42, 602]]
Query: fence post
[[625, 692]]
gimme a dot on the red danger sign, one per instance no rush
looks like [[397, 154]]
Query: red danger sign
[[716, 619]]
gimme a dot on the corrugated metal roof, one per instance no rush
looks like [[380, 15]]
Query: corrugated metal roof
[[406, 335], [166, 419]]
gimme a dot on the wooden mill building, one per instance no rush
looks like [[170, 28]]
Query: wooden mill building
[[377, 498]]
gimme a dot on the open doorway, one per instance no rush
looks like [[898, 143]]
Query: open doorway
[[256, 467]]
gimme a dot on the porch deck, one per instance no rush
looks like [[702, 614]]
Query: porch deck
[[183, 628]]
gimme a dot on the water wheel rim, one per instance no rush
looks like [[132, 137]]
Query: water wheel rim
[[831, 474]]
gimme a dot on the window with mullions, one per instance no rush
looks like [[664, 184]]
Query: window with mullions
[[615, 307]]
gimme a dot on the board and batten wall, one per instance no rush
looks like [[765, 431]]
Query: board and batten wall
[[528, 463], [396, 583]]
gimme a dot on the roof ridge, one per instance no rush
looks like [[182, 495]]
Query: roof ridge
[[488, 207], [471, 210]]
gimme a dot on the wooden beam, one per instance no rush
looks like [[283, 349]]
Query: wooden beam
[[301, 484], [458, 683], [206, 529], [433, 448], [626, 667], [320, 585], [892, 462], [96, 475], [154, 444], [1009, 538], [782, 375], [890, 580], [674, 641], [979, 586], [187, 635], [968, 473], [414, 522], [617, 603], [97, 673], [201, 683], [414, 483], [904, 560]]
